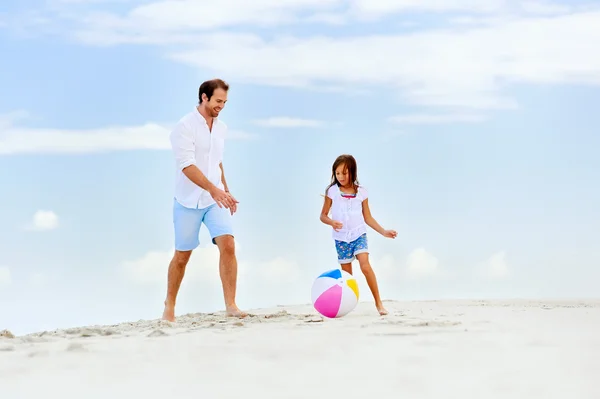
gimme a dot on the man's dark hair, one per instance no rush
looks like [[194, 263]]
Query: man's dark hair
[[208, 87]]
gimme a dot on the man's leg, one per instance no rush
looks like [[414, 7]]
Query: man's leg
[[228, 269], [219, 224], [175, 276], [186, 223]]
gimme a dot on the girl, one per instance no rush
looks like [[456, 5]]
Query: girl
[[350, 216]]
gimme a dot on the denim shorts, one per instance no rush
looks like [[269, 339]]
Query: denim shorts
[[347, 251], [187, 222]]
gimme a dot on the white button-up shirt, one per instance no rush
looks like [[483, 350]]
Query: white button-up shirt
[[349, 212], [193, 143]]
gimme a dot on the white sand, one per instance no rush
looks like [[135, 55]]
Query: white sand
[[439, 349]]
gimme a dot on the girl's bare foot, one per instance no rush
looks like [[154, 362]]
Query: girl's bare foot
[[382, 311]]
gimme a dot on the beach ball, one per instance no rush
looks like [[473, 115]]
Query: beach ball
[[335, 293]]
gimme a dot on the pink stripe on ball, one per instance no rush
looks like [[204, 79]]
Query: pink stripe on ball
[[328, 303]]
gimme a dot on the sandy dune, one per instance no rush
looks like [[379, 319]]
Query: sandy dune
[[438, 349]]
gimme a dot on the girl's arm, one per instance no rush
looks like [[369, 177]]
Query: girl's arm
[[325, 215], [369, 219], [325, 212]]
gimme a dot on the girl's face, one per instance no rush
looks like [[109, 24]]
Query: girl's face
[[342, 176]]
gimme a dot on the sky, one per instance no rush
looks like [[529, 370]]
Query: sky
[[474, 124]]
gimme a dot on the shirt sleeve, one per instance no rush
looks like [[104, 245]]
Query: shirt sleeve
[[330, 192], [364, 193], [183, 146]]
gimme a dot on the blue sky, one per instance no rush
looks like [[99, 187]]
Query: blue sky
[[474, 125]]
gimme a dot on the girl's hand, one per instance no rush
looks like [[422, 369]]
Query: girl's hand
[[337, 225], [390, 233]]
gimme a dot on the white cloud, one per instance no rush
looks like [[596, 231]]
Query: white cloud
[[88, 2], [443, 67], [266, 282], [421, 263], [43, 220], [496, 267], [280, 271], [388, 271], [191, 16], [27, 140], [9, 119], [36, 279], [288, 122], [327, 18], [15, 139], [530, 42], [435, 119], [544, 7], [386, 265], [152, 267], [5, 277], [377, 8]]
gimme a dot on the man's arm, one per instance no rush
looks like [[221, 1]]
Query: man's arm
[[223, 177], [233, 208], [197, 177], [183, 146]]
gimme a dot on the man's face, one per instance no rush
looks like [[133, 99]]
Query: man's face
[[216, 102]]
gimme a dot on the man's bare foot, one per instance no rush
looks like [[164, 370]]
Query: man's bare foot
[[169, 313], [382, 311], [234, 311]]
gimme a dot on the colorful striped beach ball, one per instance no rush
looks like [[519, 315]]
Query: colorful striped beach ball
[[335, 293]]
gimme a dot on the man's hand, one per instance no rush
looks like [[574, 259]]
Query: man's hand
[[233, 209], [337, 225], [224, 199]]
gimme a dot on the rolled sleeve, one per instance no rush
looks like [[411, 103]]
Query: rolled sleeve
[[182, 144]]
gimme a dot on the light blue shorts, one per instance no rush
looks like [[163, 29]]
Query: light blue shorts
[[187, 222]]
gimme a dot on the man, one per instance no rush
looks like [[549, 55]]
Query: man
[[201, 194]]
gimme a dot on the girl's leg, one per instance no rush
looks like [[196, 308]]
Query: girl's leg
[[365, 267], [347, 267], [344, 253]]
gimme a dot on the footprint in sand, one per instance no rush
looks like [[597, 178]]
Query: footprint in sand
[[158, 333], [76, 347]]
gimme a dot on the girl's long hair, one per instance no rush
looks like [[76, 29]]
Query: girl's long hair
[[350, 163]]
